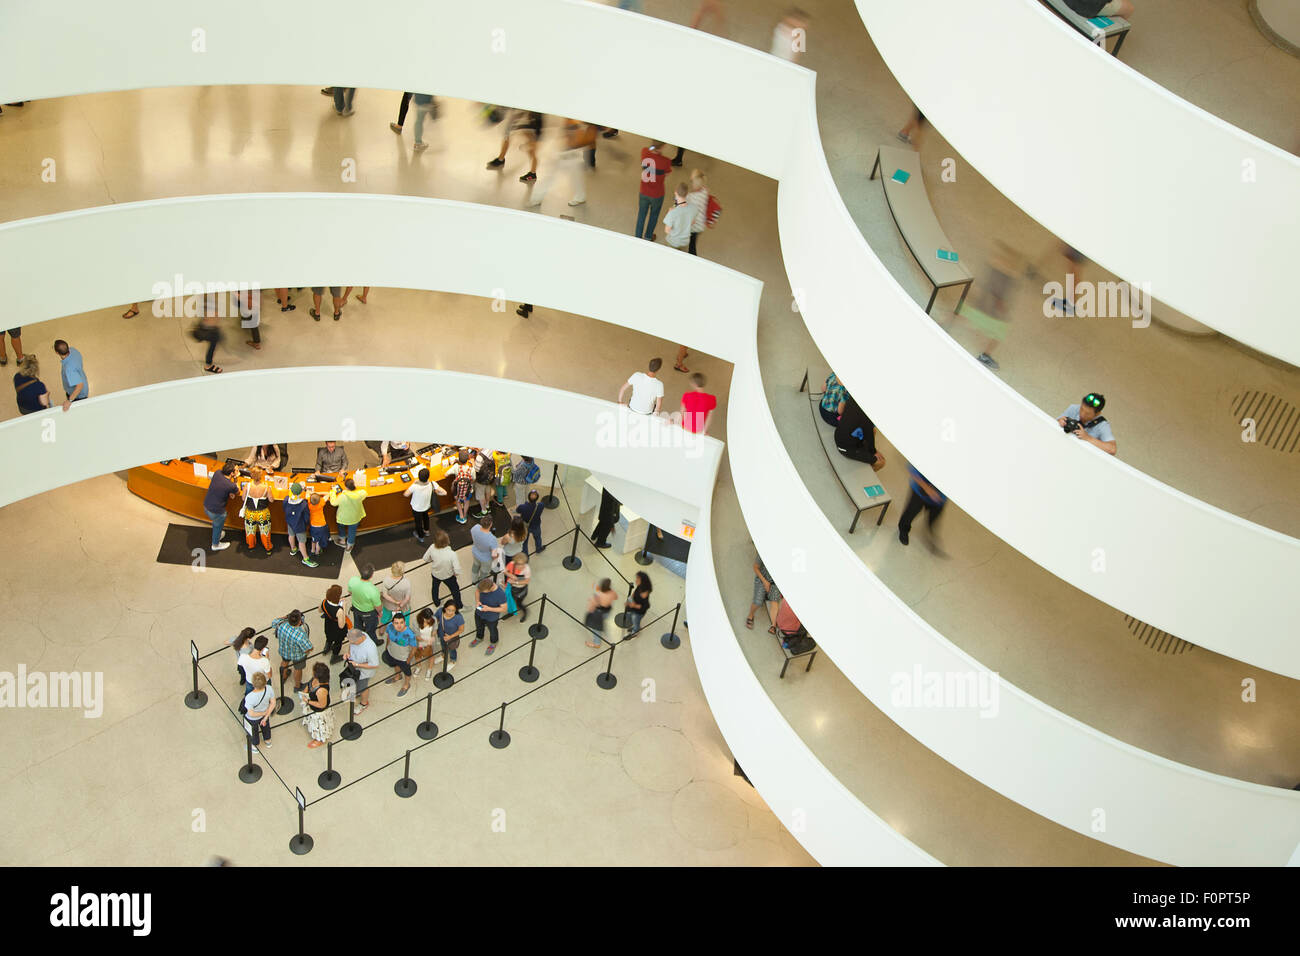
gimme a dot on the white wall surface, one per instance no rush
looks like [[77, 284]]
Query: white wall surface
[[1151, 187], [1027, 751], [1171, 561]]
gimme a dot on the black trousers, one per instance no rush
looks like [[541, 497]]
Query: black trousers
[[421, 522], [603, 527], [480, 624], [406, 104], [691, 247], [452, 586], [913, 508]]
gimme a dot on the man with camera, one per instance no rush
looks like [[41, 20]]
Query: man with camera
[[1085, 421]]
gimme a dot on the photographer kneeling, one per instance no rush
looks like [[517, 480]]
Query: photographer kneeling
[[1086, 422]]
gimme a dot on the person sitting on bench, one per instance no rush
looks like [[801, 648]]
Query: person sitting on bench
[[855, 436], [1102, 8]]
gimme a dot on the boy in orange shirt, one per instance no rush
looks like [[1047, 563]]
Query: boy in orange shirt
[[320, 531]]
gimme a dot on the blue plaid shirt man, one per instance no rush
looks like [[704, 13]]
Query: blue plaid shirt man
[[294, 643]]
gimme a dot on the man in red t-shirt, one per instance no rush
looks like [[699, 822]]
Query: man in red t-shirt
[[697, 407], [655, 166]]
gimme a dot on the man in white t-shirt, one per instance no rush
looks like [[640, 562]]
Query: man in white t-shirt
[[647, 390]]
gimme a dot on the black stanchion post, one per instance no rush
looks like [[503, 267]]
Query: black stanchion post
[[427, 729], [537, 630], [671, 640], [572, 562], [550, 501], [301, 842], [528, 672], [606, 680], [621, 617], [249, 772], [329, 777], [195, 698], [285, 703], [406, 786], [351, 730], [442, 680], [500, 738], [642, 557]]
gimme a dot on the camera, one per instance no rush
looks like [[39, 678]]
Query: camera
[[1071, 425]]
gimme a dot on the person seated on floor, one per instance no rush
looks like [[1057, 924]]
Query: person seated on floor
[[1101, 8], [855, 436]]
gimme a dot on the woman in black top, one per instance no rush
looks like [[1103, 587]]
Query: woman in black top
[[336, 622], [316, 698], [30, 391], [637, 604], [855, 435]]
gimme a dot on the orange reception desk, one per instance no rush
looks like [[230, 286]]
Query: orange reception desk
[[178, 487]]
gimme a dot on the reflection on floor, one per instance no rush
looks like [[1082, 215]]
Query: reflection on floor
[[635, 775]]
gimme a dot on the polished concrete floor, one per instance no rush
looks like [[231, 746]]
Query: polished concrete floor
[[1067, 649]]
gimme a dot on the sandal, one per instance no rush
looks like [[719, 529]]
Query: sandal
[[288, 308], [251, 344], [681, 368], [130, 313], [772, 629], [749, 622], [337, 316], [314, 314], [214, 369]]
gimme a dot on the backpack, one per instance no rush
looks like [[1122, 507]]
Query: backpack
[[487, 472], [505, 471], [712, 211], [530, 473], [799, 642]]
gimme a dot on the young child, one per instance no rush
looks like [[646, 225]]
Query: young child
[[320, 531], [679, 219], [463, 484]]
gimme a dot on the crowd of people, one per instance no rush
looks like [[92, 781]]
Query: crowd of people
[[371, 624]]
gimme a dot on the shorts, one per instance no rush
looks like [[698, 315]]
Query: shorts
[[320, 533], [772, 594], [403, 666], [1086, 8], [362, 684], [298, 664], [464, 488], [335, 290], [16, 333]]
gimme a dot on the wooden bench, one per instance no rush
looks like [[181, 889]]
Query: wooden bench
[[917, 223], [1095, 32], [855, 477]]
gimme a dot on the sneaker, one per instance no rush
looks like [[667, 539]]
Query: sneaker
[[347, 112], [420, 146], [395, 128], [523, 614], [221, 546], [576, 202], [535, 201], [985, 359], [490, 650], [476, 642], [604, 544], [309, 562], [293, 552], [256, 751], [347, 548], [495, 163], [327, 91], [528, 178], [451, 666], [459, 520], [609, 133], [403, 692], [266, 743]]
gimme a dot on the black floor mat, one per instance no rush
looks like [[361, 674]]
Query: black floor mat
[[182, 541], [380, 548]]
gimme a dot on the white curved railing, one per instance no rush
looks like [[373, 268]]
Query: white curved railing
[[1025, 750], [450, 250], [1170, 560], [1151, 187]]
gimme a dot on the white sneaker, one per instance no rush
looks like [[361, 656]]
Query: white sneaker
[[451, 666], [255, 750], [576, 202], [221, 546]]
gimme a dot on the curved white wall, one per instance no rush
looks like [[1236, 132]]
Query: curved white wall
[[1171, 561], [1039, 757], [991, 752], [1153, 188]]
